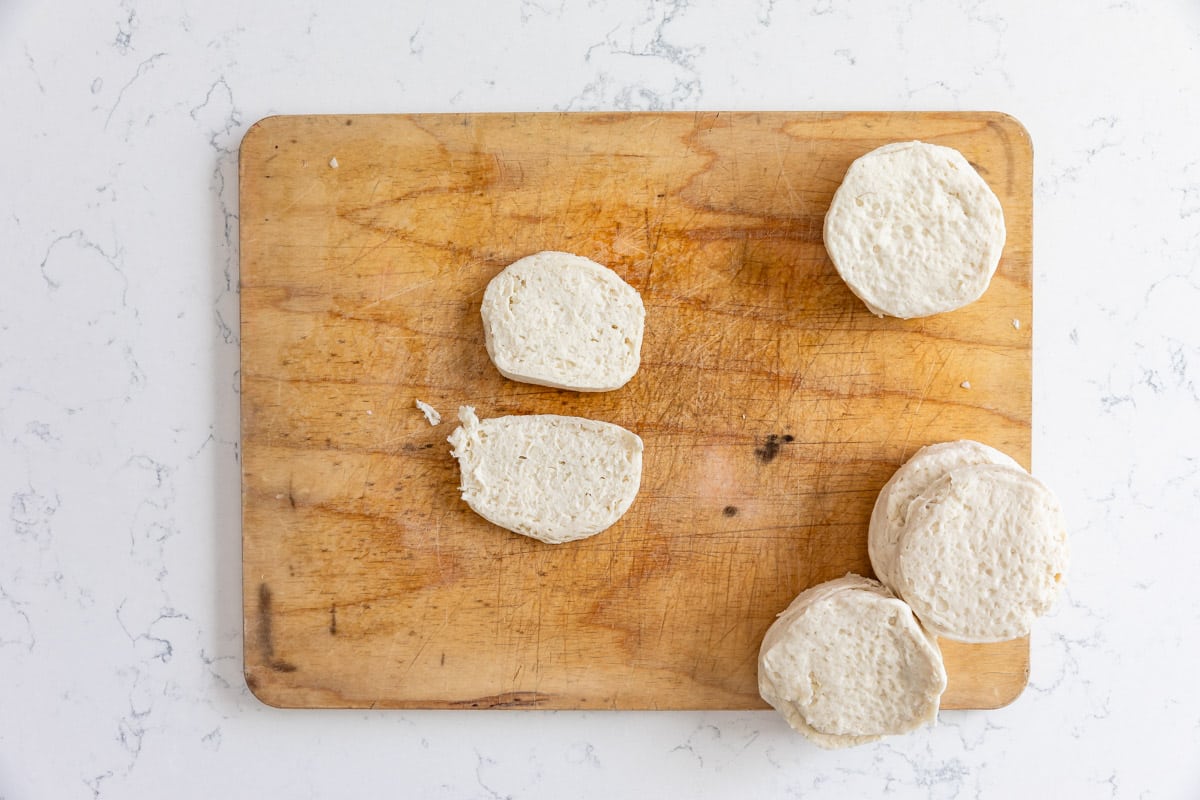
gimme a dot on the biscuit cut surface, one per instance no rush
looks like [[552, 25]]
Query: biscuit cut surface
[[848, 663], [561, 320], [914, 230], [924, 467], [982, 554], [553, 478]]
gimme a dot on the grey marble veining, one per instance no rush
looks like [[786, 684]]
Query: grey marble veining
[[120, 609]]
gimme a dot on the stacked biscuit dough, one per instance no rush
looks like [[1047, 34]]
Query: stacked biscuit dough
[[964, 542], [967, 545]]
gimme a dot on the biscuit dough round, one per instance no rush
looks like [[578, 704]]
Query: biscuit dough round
[[914, 230], [552, 478], [562, 320], [913, 477], [983, 553], [847, 663]]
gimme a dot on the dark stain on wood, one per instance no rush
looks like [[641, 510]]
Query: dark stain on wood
[[504, 700], [333, 619], [266, 644], [769, 449], [730, 511]]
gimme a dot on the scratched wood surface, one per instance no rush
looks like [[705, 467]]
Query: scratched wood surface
[[772, 404]]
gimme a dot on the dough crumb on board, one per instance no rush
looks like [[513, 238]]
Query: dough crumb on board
[[1016, 324], [333, 163], [965, 384], [431, 413]]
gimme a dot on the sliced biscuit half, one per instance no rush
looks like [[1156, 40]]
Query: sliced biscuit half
[[561, 320], [924, 467], [848, 663], [553, 478], [983, 553], [914, 230]]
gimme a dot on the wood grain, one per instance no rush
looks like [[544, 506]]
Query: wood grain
[[772, 404]]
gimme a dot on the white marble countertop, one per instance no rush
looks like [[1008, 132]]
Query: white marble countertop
[[120, 617]]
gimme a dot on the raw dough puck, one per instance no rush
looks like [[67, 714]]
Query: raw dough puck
[[847, 663], [549, 477], [914, 230], [982, 553], [915, 476], [561, 320]]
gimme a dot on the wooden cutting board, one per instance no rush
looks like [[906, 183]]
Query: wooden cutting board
[[772, 404]]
